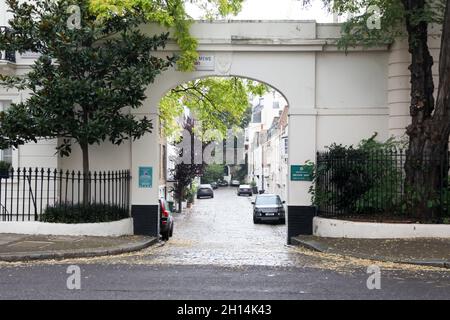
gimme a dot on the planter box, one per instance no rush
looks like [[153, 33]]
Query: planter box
[[101, 229], [334, 228]]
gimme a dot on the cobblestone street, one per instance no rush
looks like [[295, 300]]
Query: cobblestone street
[[221, 231], [218, 253]]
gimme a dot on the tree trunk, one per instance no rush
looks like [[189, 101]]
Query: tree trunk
[[179, 196], [86, 182], [426, 159], [180, 200]]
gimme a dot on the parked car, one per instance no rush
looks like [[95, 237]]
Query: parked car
[[214, 185], [268, 207], [205, 190], [223, 183], [166, 220], [244, 189], [235, 183]]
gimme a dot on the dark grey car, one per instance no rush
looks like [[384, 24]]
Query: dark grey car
[[166, 221], [268, 208], [205, 190]]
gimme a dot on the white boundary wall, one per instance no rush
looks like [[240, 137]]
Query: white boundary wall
[[102, 229], [333, 228]]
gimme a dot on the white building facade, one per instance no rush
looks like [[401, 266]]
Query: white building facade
[[332, 97], [267, 143]]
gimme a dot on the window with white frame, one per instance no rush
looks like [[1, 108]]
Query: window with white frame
[[5, 154], [276, 104], [284, 147]]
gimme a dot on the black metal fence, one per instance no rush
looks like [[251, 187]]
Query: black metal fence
[[7, 55], [26, 193], [373, 183]]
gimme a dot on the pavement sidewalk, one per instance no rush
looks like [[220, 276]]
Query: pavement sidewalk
[[16, 247], [427, 252]]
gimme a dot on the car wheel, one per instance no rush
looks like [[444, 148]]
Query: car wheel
[[198, 197], [165, 235], [255, 220], [171, 231], [282, 221]]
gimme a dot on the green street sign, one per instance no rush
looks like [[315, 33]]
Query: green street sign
[[145, 177], [301, 173]]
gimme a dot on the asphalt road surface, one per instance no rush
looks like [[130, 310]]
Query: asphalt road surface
[[218, 253]]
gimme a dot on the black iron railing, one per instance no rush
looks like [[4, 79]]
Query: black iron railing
[[8, 55], [26, 193], [373, 184]]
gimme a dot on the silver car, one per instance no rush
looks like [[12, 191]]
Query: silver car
[[235, 183], [244, 189]]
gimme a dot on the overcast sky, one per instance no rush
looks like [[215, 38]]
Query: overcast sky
[[277, 10]]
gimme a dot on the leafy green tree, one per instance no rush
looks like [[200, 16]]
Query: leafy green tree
[[219, 103], [430, 126], [239, 172], [171, 14], [246, 117], [213, 173], [185, 173], [85, 80], [103, 67]]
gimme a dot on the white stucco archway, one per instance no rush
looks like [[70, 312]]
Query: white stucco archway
[[333, 97]]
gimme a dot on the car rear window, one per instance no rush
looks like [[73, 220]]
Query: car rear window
[[268, 200]]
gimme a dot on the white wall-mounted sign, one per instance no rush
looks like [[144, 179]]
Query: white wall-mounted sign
[[205, 63]]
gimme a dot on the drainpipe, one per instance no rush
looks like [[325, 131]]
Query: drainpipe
[[262, 166]]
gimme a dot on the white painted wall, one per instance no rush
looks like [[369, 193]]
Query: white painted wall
[[105, 156], [350, 129], [103, 229], [302, 148], [332, 228], [41, 154], [351, 81]]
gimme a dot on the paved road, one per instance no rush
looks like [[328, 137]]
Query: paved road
[[218, 253], [107, 281]]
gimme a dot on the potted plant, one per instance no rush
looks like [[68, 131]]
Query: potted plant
[[190, 196], [189, 200], [254, 187], [5, 168]]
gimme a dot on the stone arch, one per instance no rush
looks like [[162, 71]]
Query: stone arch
[[218, 75], [155, 94], [324, 89]]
